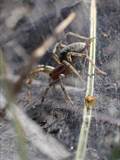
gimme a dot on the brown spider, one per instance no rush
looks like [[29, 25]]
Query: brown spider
[[63, 56]]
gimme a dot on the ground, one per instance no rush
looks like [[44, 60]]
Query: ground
[[55, 116]]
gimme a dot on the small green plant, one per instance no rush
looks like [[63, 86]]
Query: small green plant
[[115, 154]]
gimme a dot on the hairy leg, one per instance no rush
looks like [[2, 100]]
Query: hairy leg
[[72, 68], [47, 89], [56, 51], [67, 97], [77, 36], [72, 54]]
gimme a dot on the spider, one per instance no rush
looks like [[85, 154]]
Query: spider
[[63, 55]]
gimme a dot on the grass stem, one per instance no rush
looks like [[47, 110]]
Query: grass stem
[[88, 105]]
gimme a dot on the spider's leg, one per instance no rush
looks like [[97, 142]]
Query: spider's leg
[[40, 68], [46, 91], [87, 57], [96, 68], [72, 68], [56, 51], [67, 97], [87, 40], [74, 54], [35, 71], [28, 83], [29, 93], [78, 36], [56, 58]]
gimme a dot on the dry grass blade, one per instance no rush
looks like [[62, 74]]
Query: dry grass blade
[[39, 52], [89, 99]]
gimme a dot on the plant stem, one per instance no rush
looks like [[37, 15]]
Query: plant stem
[[87, 113]]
